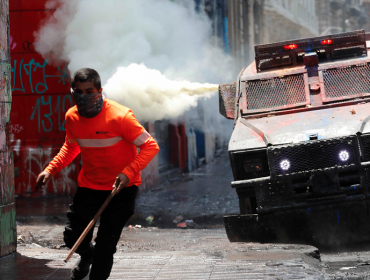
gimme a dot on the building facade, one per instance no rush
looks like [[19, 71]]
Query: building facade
[[254, 22], [290, 19], [245, 29], [366, 8], [337, 16]]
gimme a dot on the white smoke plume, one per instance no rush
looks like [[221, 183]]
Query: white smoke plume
[[126, 40], [155, 96]]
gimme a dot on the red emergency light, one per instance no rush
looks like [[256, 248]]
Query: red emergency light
[[275, 55], [290, 47], [327, 42]]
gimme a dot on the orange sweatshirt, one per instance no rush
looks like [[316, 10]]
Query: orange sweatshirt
[[108, 144]]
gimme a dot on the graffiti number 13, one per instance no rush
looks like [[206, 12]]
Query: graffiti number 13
[[45, 120]]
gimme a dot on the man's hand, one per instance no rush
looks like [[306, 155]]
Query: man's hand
[[122, 181], [42, 179]]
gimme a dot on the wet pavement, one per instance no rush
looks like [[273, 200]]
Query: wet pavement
[[159, 249]]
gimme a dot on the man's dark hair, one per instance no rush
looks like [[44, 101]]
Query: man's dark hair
[[86, 75]]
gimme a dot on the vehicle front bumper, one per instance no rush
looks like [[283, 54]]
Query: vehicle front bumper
[[306, 189], [325, 226]]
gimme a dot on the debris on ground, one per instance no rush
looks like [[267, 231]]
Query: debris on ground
[[190, 223], [21, 238], [347, 268], [156, 189], [353, 111], [178, 219], [182, 225], [137, 226], [149, 219]]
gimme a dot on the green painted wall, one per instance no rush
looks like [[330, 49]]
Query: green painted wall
[[8, 232]]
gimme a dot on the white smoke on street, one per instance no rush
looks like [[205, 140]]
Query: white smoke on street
[[153, 56]]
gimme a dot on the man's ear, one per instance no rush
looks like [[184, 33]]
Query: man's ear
[[100, 90]]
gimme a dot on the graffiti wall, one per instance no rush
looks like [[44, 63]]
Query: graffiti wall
[[41, 98], [7, 207]]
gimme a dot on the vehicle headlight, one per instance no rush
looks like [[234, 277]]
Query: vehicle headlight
[[344, 155], [285, 164]]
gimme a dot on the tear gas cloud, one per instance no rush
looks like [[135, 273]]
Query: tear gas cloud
[[156, 57], [154, 96]]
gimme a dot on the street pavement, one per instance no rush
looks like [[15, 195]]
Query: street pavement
[[153, 253], [162, 253]]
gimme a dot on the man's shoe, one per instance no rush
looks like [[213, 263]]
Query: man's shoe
[[81, 269]]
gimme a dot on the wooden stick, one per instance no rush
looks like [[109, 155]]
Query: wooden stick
[[90, 225]]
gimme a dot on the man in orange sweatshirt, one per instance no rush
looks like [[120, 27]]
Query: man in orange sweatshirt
[[107, 134]]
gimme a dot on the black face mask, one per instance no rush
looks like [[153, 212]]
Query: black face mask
[[88, 105]]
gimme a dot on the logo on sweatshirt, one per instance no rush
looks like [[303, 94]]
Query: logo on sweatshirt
[[102, 132]]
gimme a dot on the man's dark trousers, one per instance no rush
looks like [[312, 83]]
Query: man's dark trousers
[[85, 205]]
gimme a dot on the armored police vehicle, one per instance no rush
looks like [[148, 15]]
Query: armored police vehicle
[[300, 149]]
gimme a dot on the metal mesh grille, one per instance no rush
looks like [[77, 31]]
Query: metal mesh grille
[[273, 195], [249, 165], [325, 182], [227, 94], [276, 92], [346, 81], [313, 155], [365, 147]]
